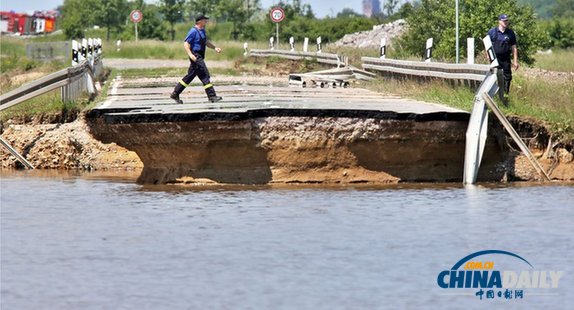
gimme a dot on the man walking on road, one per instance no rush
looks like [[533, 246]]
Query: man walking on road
[[195, 43], [504, 44]]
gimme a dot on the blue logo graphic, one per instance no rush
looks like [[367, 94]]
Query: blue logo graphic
[[471, 272]]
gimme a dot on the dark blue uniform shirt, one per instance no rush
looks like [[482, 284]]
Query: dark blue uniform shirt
[[502, 42], [197, 40]]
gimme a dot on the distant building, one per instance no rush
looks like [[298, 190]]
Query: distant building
[[371, 7]]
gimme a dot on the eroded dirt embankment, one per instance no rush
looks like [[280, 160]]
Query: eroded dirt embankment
[[48, 143], [284, 149], [307, 149]]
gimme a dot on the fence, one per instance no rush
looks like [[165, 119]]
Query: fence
[[49, 51]]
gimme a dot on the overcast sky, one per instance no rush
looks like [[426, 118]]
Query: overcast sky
[[320, 7]]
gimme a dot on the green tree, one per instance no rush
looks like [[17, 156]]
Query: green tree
[[151, 26], [112, 14], [172, 11], [436, 19], [346, 12], [207, 7], [390, 6], [76, 16], [238, 13], [563, 8]]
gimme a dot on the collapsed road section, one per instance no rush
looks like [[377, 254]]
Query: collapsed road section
[[263, 134]]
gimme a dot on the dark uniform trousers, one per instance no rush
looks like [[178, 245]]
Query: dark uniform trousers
[[505, 65], [199, 69]]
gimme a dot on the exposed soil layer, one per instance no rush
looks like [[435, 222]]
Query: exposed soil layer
[[314, 148], [287, 149]]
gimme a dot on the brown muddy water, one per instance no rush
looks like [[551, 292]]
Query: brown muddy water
[[100, 241]]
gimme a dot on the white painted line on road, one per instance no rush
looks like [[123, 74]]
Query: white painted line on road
[[113, 92]]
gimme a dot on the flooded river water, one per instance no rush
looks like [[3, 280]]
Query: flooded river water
[[100, 241]]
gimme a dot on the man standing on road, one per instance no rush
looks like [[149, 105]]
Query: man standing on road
[[504, 44], [195, 43]]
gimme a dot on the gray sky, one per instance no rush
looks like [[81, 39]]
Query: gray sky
[[320, 7]]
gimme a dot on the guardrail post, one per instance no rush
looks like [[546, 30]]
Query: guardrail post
[[494, 65], [271, 43], [245, 49], [470, 51], [90, 47], [319, 45], [428, 52], [84, 50], [292, 43], [75, 53], [476, 132], [383, 48], [490, 51], [306, 45]]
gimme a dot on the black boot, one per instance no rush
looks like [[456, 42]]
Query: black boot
[[175, 97], [215, 98], [210, 92]]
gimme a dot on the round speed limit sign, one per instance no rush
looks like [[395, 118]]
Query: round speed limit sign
[[277, 14], [136, 16]]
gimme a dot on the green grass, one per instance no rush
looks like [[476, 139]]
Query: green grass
[[47, 104], [558, 60], [150, 49]]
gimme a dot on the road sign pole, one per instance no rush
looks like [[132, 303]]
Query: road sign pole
[[136, 17], [277, 15]]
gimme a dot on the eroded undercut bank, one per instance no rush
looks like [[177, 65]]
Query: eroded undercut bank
[[286, 147]]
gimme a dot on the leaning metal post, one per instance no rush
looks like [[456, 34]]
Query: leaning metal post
[[477, 130]]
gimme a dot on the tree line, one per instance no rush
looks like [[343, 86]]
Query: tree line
[[247, 20]]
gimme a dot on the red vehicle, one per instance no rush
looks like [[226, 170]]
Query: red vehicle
[[39, 22]]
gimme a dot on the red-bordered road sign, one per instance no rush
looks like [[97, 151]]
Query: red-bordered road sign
[[136, 16], [277, 14]]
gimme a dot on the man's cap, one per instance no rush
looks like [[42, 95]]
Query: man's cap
[[200, 17], [503, 17]]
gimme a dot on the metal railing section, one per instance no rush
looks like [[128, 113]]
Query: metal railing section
[[326, 58], [449, 71]]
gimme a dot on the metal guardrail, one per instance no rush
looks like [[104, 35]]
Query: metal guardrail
[[449, 71], [326, 58], [72, 80]]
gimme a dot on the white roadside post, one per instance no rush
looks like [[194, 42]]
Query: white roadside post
[[245, 49], [306, 45], [271, 43], [75, 53], [318, 45], [470, 51], [292, 43], [383, 48], [118, 45], [84, 50], [428, 52]]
